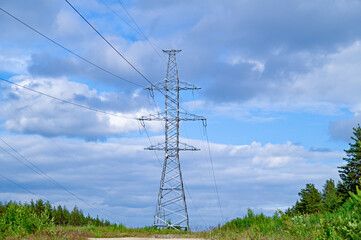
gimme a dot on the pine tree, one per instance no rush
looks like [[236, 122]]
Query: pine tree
[[351, 172], [39, 207], [342, 192], [330, 199], [2, 208], [66, 216], [48, 209], [76, 217], [32, 205], [310, 200]]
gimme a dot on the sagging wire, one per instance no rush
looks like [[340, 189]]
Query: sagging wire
[[213, 173]]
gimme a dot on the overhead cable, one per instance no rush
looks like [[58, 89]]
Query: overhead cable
[[214, 176], [70, 51], [121, 55], [66, 101], [34, 168], [41, 173], [116, 14], [150, 141], [20, 186], [111, 45], [146, 38]]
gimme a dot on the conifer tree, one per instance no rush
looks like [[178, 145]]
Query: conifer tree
[[39, 207], [66, 216], [342, 192], [2, 208], [351, 172], [310, 200], [330, 198]]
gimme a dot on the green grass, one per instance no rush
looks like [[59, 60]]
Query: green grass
[[85, 232]]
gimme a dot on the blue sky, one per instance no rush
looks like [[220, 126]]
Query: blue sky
[[280, 89]]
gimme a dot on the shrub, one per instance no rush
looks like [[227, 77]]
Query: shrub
[[18, 220]]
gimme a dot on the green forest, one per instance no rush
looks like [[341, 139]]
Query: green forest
[[332, 213]]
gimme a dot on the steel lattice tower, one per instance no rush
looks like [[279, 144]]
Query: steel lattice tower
[[171, 209]]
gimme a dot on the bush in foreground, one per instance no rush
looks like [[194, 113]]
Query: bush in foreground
[[343, 223], [18, 220]]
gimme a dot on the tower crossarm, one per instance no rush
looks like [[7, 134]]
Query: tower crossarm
[[182, 147], [153, 117], [182, 86], [187, 86], [183, 116]]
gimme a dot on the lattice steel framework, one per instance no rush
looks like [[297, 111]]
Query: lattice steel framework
[[171, 209]]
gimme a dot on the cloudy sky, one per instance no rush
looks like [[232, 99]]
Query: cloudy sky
[[280, 89]]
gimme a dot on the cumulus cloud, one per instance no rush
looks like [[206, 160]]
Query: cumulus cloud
[[326, 89], [335, 84], [336, 81], [289, 40], [239, 56], [122, 178], [13, 64], [31, 113]]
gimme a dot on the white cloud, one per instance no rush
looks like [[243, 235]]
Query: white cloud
[[70, 25], [13, 64], [122, 178], [29, 112], [257, 65], [329, 87], [337, 81]]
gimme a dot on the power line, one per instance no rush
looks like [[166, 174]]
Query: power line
[[66, 101], [111, 45], [75, 104], [190, 197], [34, 168], [121, 55], [214, 176], [20, 186], [70, 51], [138, 31], [116, 14], [41, 173], [28, 165], [84, 59], [130, 16], [150, 141]]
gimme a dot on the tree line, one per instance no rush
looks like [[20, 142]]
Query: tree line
[[59, 215], [331, 197]]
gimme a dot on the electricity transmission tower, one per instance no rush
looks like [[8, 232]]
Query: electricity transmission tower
[[171, 209]]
